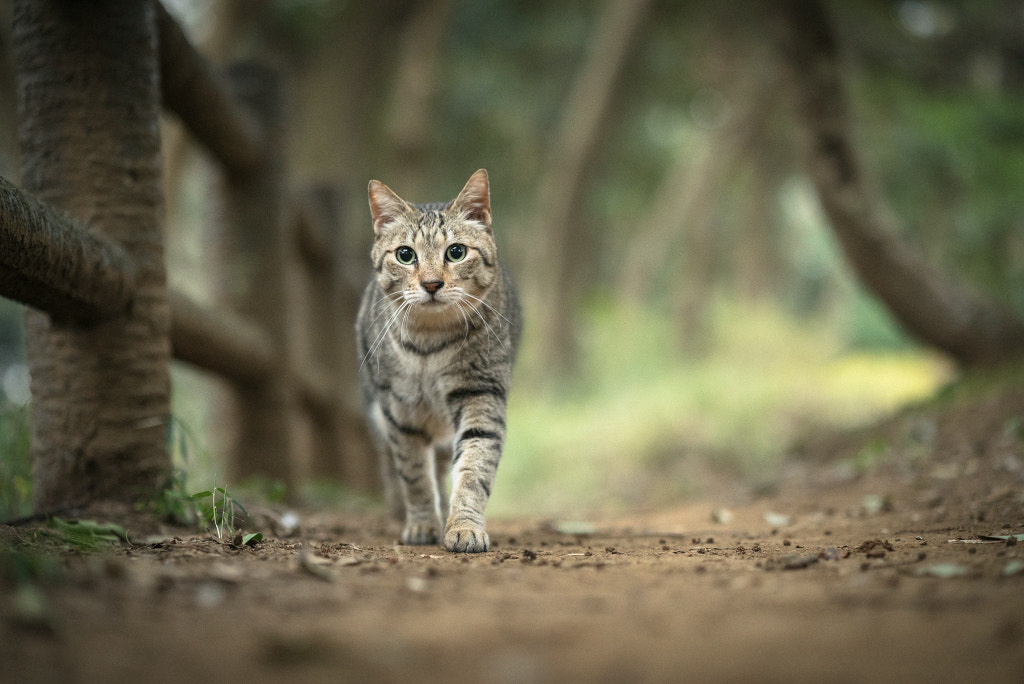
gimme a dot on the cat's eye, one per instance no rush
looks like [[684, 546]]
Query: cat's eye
[[456, 253], [405, 256]]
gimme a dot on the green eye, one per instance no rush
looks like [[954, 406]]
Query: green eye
[[405, 255], [456, 253]]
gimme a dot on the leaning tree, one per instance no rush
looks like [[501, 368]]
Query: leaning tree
[[933, 306]]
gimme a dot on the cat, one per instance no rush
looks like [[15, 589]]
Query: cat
[[437, 332]]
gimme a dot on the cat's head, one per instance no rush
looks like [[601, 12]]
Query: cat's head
[[436, 256]]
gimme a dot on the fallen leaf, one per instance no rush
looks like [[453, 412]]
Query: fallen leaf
[[942, 570], [873, 504], [315, 567], [1001, 537], [252, 539], [794, 561], [1014, 567], [778, 519], [417, 585], [578, 528]]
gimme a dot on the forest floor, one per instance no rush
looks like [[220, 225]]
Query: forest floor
[[865, 562]]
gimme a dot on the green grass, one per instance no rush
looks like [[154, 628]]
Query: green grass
[[645, 422], [15, 462]]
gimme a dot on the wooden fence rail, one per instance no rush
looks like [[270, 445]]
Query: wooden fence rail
[[81, 245]]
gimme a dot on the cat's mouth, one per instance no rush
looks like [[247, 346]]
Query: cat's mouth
[[431, 302]]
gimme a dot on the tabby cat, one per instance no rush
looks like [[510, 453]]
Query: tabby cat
[[437, 333]]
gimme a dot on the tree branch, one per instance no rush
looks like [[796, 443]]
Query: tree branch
[[55, 264], [932, 306], [191, 90]]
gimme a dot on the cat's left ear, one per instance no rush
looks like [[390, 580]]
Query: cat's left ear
[[474, 202]]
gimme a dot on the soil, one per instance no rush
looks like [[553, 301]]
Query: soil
[[864, 562]]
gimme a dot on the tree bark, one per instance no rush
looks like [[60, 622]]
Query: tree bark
[[89, 106], [8, 101], [932, 306], [55, 264], [561, 190]]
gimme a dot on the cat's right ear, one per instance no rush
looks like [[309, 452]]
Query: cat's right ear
[[385, 206]]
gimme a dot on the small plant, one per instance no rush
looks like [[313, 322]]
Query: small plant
[[214, 508], [173, 502], [218, 508]]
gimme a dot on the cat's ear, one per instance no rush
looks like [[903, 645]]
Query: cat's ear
[[385, 206], [474, 202]]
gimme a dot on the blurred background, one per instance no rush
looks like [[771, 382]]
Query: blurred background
[[689, 316]]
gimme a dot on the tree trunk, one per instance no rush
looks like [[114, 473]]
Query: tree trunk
[[683, 202], [560, 193], [251, 276], [758, 255], [410, 107], [932, 306], [89, 102], [8, 106]]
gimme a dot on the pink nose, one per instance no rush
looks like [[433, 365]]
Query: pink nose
[[432, 286]]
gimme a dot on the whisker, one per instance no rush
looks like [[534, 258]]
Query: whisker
[[462, 293], [496, 312], [465, 320], [379, 340], [403, 329], [384, 311]]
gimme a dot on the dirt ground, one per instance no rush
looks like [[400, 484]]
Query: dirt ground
[[863, 563]]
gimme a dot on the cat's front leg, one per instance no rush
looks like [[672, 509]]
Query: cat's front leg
[[474, 464], [417, 479]]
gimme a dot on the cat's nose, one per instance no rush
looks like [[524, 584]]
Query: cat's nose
[[432, 286]]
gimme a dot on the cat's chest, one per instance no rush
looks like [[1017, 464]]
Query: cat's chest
[[419, 398], [417, 387]]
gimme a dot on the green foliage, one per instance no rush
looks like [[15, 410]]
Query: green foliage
[[870, 326], [218, 509], [174, 502], [267, 489], [25, 570], [648, 424], [15, 461], [19, 565], [86, 535], [870, 455], [214, 508], [951, 161]]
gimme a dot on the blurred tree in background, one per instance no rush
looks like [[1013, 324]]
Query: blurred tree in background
[[644, 156], [639, 151]]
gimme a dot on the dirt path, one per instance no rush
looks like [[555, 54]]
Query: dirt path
[[832, 578]]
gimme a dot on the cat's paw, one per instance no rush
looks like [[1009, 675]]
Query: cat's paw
[[419, 534], [466, 538]]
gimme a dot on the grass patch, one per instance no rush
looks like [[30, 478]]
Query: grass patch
[[15, 462], [645, 420]]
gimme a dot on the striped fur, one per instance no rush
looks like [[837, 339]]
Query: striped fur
[[437, 333]]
